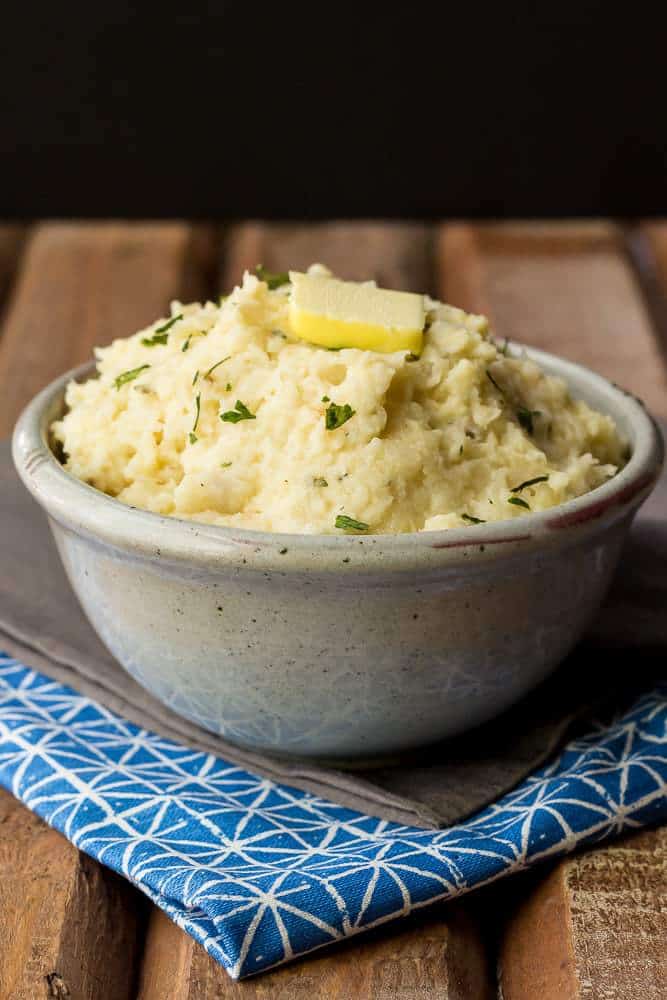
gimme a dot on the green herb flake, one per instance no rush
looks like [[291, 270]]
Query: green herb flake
[[160, 333], [225, 465], [411, 357], [186, 343], [157, 338], [518, 502], [240, 412], [195, 377], [228, 387], [325, 399], [335, 416], [320, 481], [525, 418], [346, 523], [273, 279], [505, 347], [168, 325], [493, 382], [529, 482], [197, 412], [129, 376], [472, 520], [282, 552], [193, 437], [207, 375]]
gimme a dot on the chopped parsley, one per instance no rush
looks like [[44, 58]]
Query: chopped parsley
[[240, 412], [493, 382], [325, 399], [529, 482], [160, 334], [228, 387], [320, 481], [525, 418], [192, 436], [195, 377], [472, 520], [207, 375], [225, 465], [168, 325], [518, 502], [157, 338], [273, 279], [186, 343], [503, 349], [411, 357], [346, 523], [336, 416], [129, 376]]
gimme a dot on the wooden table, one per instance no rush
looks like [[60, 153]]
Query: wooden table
[[593, 926]]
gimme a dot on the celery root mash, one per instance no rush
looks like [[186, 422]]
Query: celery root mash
[[221, 414]]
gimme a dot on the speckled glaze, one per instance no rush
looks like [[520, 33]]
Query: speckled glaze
[[340, 647]]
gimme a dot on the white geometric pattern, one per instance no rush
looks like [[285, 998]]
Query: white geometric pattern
[[259, 872]]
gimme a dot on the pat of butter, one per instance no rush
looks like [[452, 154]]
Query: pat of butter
[[341, 314]]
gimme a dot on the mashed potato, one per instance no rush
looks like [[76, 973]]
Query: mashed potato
[[219, 415]]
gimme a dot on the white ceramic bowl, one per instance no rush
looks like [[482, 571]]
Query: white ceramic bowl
[[340, 647]]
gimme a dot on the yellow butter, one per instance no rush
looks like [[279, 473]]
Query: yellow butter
[[339, 314]]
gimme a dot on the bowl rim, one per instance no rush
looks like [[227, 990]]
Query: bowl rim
[[87, 511]]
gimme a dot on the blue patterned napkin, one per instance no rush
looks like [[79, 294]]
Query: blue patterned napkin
[[260, 872]]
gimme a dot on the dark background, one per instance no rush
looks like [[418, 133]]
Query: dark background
[[295, 110]]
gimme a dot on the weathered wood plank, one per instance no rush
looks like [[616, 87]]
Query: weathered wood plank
[[436, 956], [568, 288], [594, 928], [82, 285], [395, 254], [68, 927]]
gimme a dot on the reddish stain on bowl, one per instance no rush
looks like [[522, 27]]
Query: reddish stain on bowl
[[597, 508]]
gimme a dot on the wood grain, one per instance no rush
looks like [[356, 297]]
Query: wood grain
[[568, 288], [82, 285], [436, 957], [594, 928], [395, 254], [68, 927]]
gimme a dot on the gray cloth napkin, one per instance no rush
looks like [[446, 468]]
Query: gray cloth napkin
[[42, 624]]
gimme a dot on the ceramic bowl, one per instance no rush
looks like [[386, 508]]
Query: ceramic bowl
[[340, 647]]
